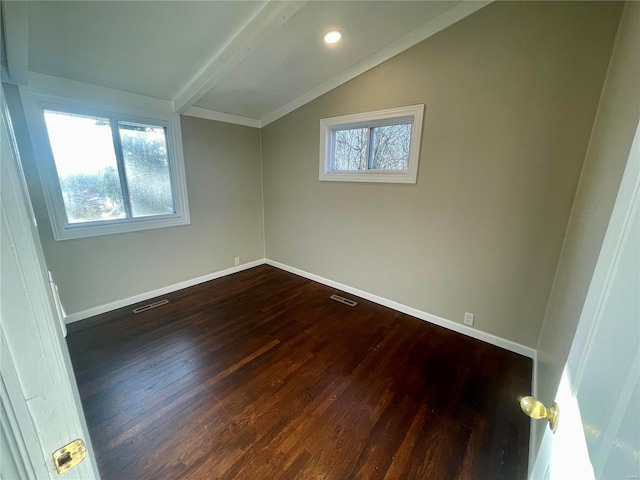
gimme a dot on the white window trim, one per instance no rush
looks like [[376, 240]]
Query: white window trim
[[359, 120], [35, 103]]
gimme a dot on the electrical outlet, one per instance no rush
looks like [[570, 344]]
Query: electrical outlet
[[236, 261], [468, 318]]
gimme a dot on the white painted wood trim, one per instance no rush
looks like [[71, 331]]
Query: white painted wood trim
[[19, 427], [207, 114], [141, 297], [33, 337], [446, 19], [428, 317], [533, 432], [619, 234], [271, 17]]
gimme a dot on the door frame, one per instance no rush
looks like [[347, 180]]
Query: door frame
[[626, 207], [41, 405]]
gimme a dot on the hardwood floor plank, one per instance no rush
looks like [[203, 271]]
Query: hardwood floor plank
[[402, 456], [259, 375]]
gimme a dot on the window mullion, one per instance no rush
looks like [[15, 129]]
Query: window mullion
[[370, 149], [122, 173]]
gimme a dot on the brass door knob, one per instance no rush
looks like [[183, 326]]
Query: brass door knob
[[534, 408]]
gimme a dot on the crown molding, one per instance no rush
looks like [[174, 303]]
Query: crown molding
[[446, 19]]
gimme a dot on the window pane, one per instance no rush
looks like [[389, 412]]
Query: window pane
[[391, 147], [85, 160], [146, 163], [350, 152]]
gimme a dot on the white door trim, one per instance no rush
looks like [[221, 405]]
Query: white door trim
[[625, 211], [32, 335]]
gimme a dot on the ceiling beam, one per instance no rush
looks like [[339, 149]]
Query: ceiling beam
[[271, 17], [16, 37], [222, 117]]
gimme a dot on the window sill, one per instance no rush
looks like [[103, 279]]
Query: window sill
[[85, 230], [370, 177]]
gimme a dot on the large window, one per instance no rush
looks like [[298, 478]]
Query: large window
[[381, 146], [105, 172]]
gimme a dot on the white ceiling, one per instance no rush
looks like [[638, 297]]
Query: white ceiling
[[149, 48], [257, 60], [294, 59]]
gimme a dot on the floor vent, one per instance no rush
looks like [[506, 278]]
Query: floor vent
[[346, 301], [150, 306]]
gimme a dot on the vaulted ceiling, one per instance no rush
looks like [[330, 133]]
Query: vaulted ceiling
[[244, 61]]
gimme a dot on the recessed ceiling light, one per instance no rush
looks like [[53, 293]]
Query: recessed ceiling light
[[332, 37]]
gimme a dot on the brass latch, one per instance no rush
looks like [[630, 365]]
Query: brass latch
[[69, 456]]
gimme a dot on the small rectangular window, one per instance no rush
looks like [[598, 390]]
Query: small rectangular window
[[381, 146], [105, 172]]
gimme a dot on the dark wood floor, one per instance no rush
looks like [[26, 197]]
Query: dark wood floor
[[259, 375]]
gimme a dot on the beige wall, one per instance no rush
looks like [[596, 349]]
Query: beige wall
[[510, 94], [613, 133], [222, 163]]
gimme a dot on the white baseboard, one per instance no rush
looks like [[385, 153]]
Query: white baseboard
[[428, 317], [141, 297]]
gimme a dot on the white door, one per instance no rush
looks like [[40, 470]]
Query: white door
[[598, 433], [41, 410]]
